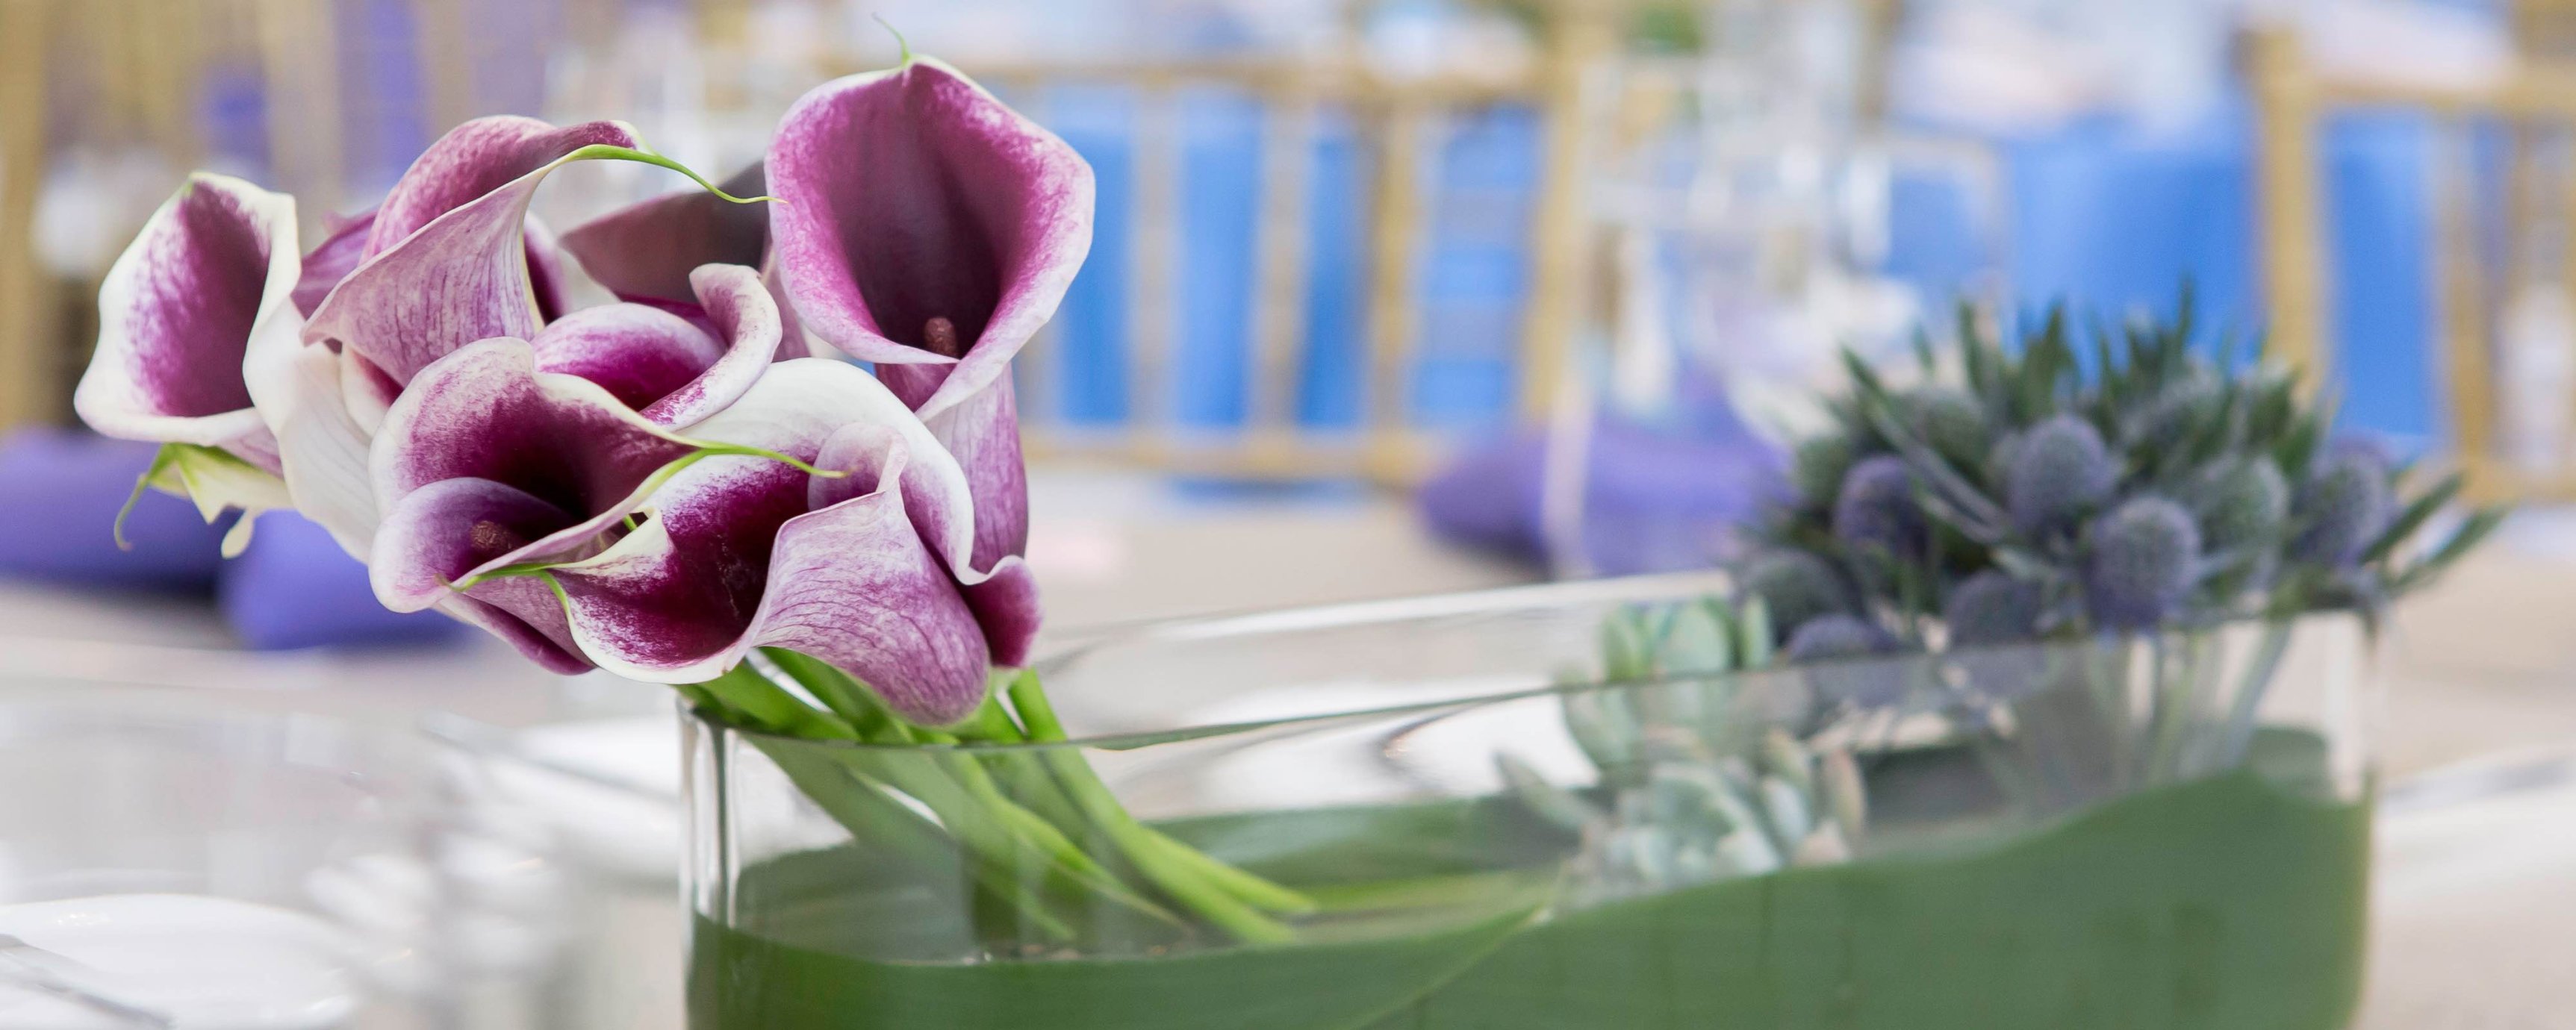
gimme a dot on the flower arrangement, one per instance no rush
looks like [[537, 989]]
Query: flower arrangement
[[626, 448], [2010, 497], [635, 446]]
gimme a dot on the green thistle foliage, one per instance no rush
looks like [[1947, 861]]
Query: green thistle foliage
[[2046, 493]]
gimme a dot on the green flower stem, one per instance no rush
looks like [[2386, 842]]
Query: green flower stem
[[861, 803], [1176, 866], [987, 824]]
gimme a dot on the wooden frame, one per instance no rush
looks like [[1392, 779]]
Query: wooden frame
[[28, 355], [1397, 119], [2294, 99]]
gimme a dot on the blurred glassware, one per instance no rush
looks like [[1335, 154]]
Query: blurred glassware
[[257, 872]]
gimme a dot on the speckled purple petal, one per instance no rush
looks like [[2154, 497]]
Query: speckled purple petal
[[542, 634], [1002, 594], [637, 352], [851, 584], [475, 160], [211, 275], [913, 194], [647, 250], [341, 250], [746, 317], [448, 256], [982, 431], [447, 529], [486, 413]]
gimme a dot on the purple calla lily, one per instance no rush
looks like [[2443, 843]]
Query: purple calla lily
[[854, 569], [928, 228], [204, 294], [645, 251], [507, 452], [446, 260], [210, 277], [452, 257]]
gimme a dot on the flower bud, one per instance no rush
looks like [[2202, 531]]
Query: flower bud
[[1877, 506], [2143, 557], [2241, 501], [1796, 587], [2058, 470], [2345, 505], [1992, 607]]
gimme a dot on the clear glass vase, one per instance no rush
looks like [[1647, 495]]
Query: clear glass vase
[[1488, 831]]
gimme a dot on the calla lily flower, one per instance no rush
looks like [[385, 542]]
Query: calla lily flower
[[815, 513], [927, 228], [851, 566], [508, 451], [211, 276], [450, 258], [645, 251], [205, 287]]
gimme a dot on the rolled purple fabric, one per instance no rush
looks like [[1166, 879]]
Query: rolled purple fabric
[[296, 588], [1655, 499], [59, 493]]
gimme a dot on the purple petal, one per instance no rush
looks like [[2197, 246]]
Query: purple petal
[[475, 160], [1006, 606], [211, 274], [486, 413], [832, 414], [912, 194], [638, 353], [332, 261], [747, 318], [449, 252], [547, 640], [983, 431], [648, 250], [442, 532]]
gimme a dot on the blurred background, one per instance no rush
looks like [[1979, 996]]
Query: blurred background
[[1395, 297]]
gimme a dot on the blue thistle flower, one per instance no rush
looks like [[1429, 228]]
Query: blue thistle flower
[[2059, 469], [1992, 607], [1821, 463], [1837, 635], [2144, 558], [2346, 504], [1877, 506], [1832, 638], [1795, 587], [2241, 501]]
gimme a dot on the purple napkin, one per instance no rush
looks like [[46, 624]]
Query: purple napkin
[[295, 588], [1657, 498], [59, 492]]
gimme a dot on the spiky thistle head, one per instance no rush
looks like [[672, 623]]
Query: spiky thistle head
[[1795, 587], [2241, 502], [1876, 506], [2060, 469], [1828, 637], [1992, 607], [2345, 505], [2143, 558], [2023, 492]]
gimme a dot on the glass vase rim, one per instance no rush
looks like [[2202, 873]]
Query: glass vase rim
[[1544, 682]]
